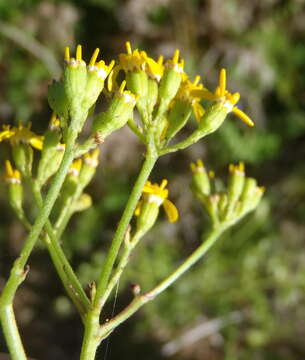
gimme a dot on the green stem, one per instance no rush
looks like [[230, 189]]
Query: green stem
[[17, 271], [142, 299], [64, 270], [11, 333], [120, 268], [91, 339], [147, 167]]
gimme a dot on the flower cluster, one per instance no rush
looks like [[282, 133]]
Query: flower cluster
[[226, 207]]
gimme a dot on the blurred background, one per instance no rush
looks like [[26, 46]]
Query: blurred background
[[246, 300]]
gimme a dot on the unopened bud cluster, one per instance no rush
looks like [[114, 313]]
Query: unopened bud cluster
[[241, 196]]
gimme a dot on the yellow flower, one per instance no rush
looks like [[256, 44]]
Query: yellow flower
[[174, 63], [92, 158], [132, 61], [20, 134], [77, 61], [154, 193], [154, 69], [224, 97], [100, 68], [126, 95], [11, 176], [186, 93]]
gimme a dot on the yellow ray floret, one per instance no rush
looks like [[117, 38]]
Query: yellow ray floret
[[240, 167], [12, 176], [159, 194], [21, 135], [224, 97]]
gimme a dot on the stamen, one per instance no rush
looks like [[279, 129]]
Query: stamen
[[128, 47], [243, 117], [163, 184], [122, 86], [197, 79], [94, 57], [79, 53], [67, 53], [222, 82], [111, 65], [176, 56]]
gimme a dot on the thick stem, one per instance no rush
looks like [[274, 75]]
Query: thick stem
[[142, 299], [92, 325], [17, 271]]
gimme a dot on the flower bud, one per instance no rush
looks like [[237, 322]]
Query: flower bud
[[152, 95], [88, 169], [200, 179], [178, 117], [212, 119], [57, 99], [236, 181], [97, 72], [75, 78], [51, 155], [83, 203], [118, 113], [137, 83], [170, 81], [23, 158], [147, 212], [13, 179]]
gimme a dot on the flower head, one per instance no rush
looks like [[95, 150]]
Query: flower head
[[99, 68], [222, 96], [75, 167], [186, 93], [21, 135], [158, 194], [174, 63], [77, 61]]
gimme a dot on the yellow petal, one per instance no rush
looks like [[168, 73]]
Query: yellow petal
[[170, 210], [222, 82], [203, 94], [243, 117], [198, 111], [36, 142]]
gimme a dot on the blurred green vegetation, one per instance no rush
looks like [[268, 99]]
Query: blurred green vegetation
[[258, 268]]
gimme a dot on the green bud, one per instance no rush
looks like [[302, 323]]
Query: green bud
[[23, 158], [236, 181], [57, 99], [75, 80], [96, 75], [212, 119], [13, 179], [88, 169], [51, 156], [178, 117], [137, 83], [251, 195], [83, 203], [200, 179], [117, 115], [148, 214], [152, 95]]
